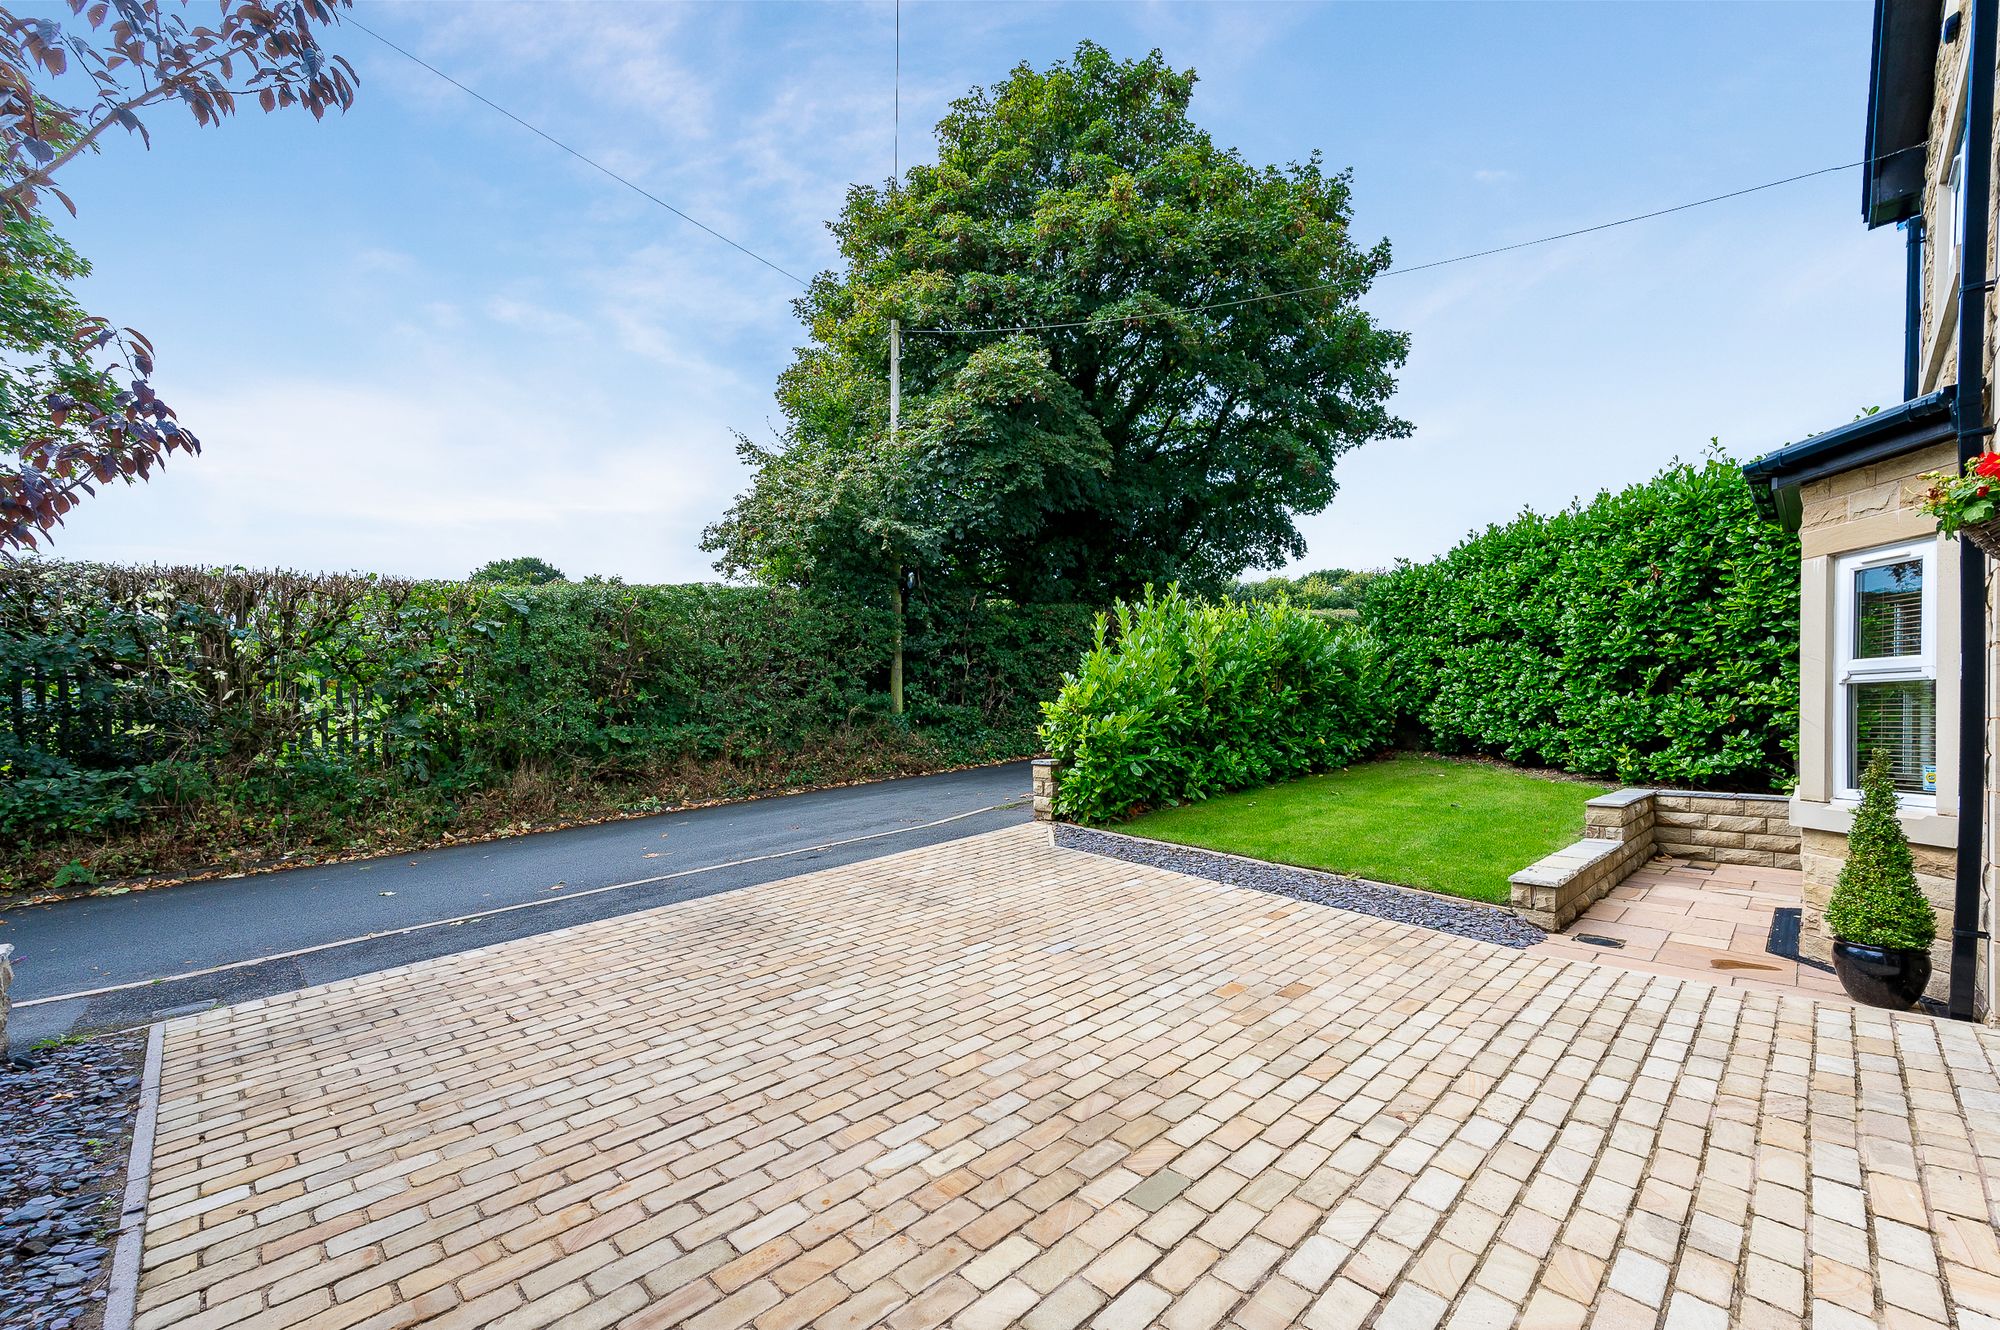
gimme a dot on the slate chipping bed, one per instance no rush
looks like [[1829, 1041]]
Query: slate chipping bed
[[65, 1133], [1485, 923]]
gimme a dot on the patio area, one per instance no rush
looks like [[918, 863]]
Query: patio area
[[1711, 922], [994, 1083]]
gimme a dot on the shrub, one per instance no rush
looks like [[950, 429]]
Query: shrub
[[266, 710], [1876, 901], [1650, 635], [1190, 700]]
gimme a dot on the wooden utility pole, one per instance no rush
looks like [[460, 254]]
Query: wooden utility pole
[[896, 595]]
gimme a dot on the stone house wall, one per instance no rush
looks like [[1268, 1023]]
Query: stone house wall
[[1937, 367], [1867, 508]]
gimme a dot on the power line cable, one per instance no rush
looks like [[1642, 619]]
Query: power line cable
[[582, 157], [1421, 267], [896, 159]]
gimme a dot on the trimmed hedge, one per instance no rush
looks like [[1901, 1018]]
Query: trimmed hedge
[[1651, 635], [1876, 901], [272, 709], [1191, 700]]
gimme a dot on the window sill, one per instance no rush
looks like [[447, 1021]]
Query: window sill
[[1924, 826]]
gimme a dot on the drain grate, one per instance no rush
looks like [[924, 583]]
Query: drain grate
[[1599, 940]]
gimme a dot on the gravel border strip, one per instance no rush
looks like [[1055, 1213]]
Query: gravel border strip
[[1443, 914], [121, 1295]]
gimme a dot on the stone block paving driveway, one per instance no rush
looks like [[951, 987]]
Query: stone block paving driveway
[[996, 1083]]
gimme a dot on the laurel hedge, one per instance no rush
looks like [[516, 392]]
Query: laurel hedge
[[1178, 700], [1649, 635]]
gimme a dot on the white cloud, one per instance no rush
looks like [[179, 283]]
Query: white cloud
[[430, 477]]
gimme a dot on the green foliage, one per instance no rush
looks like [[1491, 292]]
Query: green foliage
[[1964, 497], [1876, 902], [278, 707], [73, 874], [46, 338], [1650, 635], [1190, 700], [1336, 591], [1072, 463], [524, 571]]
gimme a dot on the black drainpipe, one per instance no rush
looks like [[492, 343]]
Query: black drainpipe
[[1976, 198], [1913, 304]]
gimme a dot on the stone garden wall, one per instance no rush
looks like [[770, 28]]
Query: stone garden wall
[[1624, 829], [1621, 830], [1754, 830]]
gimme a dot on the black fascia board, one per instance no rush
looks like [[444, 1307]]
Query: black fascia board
[[1775, 477], [1902, 72]]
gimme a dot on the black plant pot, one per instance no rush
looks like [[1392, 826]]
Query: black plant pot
[[1881, 976]]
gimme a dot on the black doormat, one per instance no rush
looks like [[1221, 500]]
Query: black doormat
[[1784, 939]]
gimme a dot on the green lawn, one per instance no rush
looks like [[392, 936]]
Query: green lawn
[[1455, 827]]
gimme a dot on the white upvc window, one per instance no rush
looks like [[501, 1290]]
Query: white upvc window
[[1885, 668], [1954, 186], [1945, 234]]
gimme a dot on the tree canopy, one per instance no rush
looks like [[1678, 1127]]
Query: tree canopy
[[1328, 589], [1130, 355], [524, 571]]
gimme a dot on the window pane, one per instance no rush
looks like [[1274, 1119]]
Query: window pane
[[1900, 718], [1889, 610]]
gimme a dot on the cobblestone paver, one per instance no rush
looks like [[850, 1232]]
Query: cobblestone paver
[[996, 1083]]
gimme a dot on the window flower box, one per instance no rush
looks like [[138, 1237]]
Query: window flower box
[[1968, 505]]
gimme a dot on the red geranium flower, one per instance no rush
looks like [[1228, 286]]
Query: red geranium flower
[[1987, 465]]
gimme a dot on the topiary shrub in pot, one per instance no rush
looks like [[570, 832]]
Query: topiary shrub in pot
[[1881, 924]]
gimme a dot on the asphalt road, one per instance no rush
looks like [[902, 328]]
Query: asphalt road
[[141, 947]]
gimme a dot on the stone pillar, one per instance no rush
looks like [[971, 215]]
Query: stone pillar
[[1617, 837], [1622, 815], [1045, 789], [6, 982]]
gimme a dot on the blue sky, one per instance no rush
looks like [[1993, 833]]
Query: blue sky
[[417, 337]]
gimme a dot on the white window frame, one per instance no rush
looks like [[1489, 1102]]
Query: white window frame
[[1848, 670], [1954, 184], [1943, 233]]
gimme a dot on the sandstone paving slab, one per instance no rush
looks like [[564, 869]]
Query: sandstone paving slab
[[998, 1083], [1693, 921]]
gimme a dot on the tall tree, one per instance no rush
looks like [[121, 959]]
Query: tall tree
[[527, 570], [1130, 356], [959, 496], [77, 406]]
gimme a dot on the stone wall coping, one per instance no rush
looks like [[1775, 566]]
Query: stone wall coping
[[1554, 870], [1620, 799], [1724, 794]]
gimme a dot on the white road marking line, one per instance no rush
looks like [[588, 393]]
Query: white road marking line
[[503, 909]]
